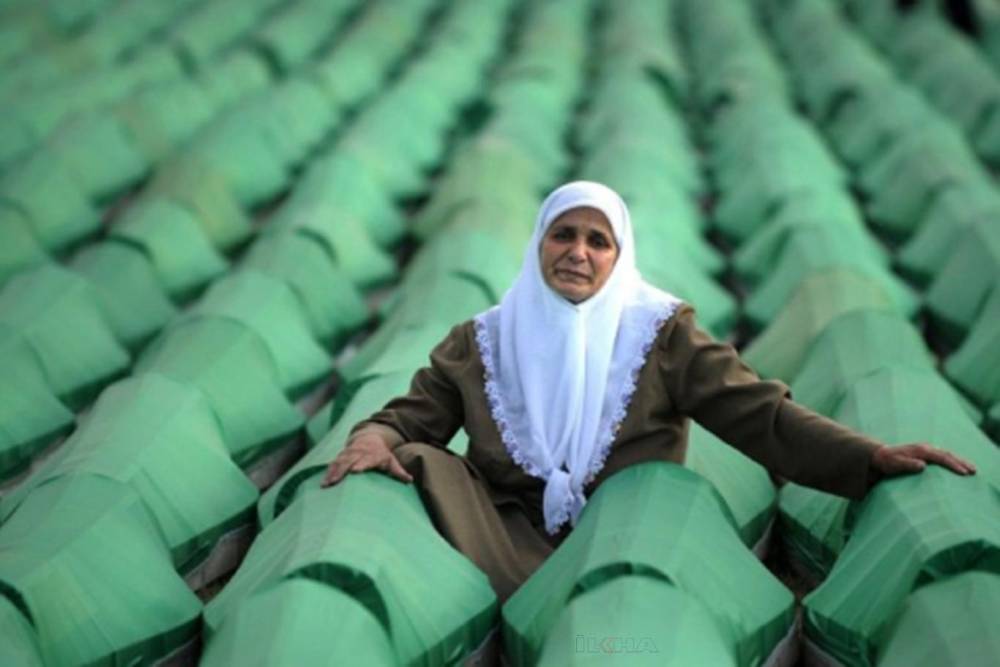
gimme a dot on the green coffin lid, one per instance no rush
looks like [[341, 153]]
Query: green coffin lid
[[636, 620], [624, 531], [31, 416], [59, 315], [128, 288], [100, 153], [355, 402], [175, 243], [745, 485], [232, 78], [162, 439], [949, 622], [829, 209], [911, 531], [966, 280], [341, 183], [671, 271], [18, 641], [954, 211], [780, 350], [299, 621], [370, 537], [202, 188], [292, 35], [231, 365], [85, 563], [19, 249], [815, 250], [331, 303], [975, 366], [271, 309], [852, 346], [236, 147], [53, 204], [902, 183], [161, 117]]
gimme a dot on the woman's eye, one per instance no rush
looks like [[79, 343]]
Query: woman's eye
[[563, 235], [599, 242]]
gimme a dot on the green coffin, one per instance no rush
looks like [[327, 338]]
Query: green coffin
[[88, 567], [162, 439], [174, 241], [370, 538], [231, 364], [626, 530]]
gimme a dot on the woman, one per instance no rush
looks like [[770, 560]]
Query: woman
[[582, 370]]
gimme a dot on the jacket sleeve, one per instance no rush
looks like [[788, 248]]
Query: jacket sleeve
[[432, 411], [707, 380]]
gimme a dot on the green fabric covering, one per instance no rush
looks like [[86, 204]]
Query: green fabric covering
[[852, 346], [59, 315], [175, 243], [895, 405], [371, 538], [129, 291], [30, 414], [966, 281], [161, 117], [203, 189], [19, 249], [694, 548], [671, 271], [53, 204], [101, 155], [830, 210], [340, 184], [230, 79], [814, 250], [299, 621], [161, 439], [291, 36], [911, 531], [880, 115], [86, 564], [345, 240], [975, 366], [954, 211], [331, 303], [950, 622], [18, 642], [236, 147], [635, 620], [780, 350], [744, 485], [231, 364], [298, 116], [201, 35], [408, 337], [903, 181], [355, 402], [270, 308]]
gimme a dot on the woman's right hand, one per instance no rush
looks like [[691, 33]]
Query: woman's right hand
[[366, 452]]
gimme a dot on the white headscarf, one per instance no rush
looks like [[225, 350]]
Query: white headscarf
[[559, 375]]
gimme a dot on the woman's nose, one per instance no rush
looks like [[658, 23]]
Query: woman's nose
[[578, 253]]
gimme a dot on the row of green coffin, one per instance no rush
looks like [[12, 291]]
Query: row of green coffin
[[289, 347], [958, 79], [245, 152], [726, 55], [902, 147], [249, 326], [623, 534]]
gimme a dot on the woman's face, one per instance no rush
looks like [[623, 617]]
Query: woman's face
[[578, 253]]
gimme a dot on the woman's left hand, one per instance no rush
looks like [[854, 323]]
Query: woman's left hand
[[909, 459]]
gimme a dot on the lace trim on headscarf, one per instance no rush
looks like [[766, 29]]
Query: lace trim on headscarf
[[613, 422], [496, 404]]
